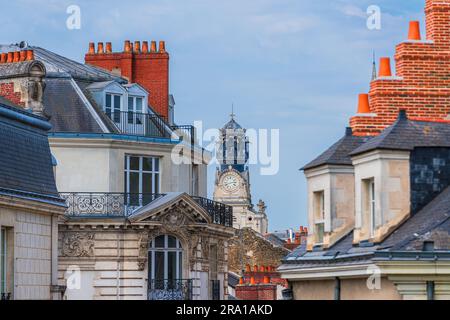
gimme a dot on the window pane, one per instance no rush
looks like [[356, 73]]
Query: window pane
[[147, 183], [108, 101], [156, 183], [172, 266], [147, 164], [159, 242], [134, 182], [130, 104], [180, 264], [139, 105], [159, 265], [172, 242], [156, 164], [134, 163], [117, 103]]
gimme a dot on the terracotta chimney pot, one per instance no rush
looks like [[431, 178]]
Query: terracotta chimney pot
[[23, 55], [3, 58], [248, 268], [241, 280], [30, 55], [144, 46], [414, 31], [16, 56], [108, 47], [127, 46], [266, 280], [363, 104], [153, 46], [137, 46], [252, 281], [100, 48], [162, 47], [255, 268], [385, 67], [91, 48], [10, 57], [262, 269]]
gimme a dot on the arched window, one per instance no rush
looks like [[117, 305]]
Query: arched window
[[165, 258]]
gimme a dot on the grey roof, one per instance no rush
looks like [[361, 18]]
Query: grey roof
[[17, 69], [233, 279], [274, 239], [232, 124], [66, 109], [57, 65], [338, 153], [26, 162], [406, 135]]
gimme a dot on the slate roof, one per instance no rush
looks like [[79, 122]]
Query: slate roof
[[407, 134], [232, 125], [338, 153], [26, 162]]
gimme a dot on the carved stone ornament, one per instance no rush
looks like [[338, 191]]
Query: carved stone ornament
[[221, 250], [143, 250], [173, 220], [205, 248], [78, 245]]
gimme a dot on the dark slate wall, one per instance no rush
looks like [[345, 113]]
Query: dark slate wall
[[430, 175]]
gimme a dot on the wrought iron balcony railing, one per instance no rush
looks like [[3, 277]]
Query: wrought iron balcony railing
[[103, 204], [176, 289], [150, 125], [5, 296], [219, 212]]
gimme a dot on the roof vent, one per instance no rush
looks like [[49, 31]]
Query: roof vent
[[428, 246]]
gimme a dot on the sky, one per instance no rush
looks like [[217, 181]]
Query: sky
[[292, 65]]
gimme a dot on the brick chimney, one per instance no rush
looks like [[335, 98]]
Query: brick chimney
[[148, 68], [420, 83], [21, 80]]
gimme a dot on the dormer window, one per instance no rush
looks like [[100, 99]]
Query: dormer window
[[113, 106]]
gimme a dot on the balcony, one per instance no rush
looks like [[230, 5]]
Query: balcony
[[149, 125], [122, 205], [170, 289]]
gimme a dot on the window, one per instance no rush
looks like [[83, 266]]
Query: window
[[142, 179], [3, 261], [165, 259], [135, 110], [319, 215], [369, 205], [113, 106]]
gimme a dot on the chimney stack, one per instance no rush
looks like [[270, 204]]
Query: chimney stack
[[385, 67], [363, 104], [414, 31]]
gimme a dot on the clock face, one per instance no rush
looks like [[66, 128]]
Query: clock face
[[230, 183]]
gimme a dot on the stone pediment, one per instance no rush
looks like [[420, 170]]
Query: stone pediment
[[173, 209]]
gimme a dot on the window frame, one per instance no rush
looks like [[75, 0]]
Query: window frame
[[112, 108], [319, 215], [155, 174], [372, 206], [178, 249]]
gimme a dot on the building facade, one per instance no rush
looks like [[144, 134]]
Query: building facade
[[378, 199], [138, 224]]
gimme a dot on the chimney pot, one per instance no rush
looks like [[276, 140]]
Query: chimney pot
[[108, 47], [137, 46], [255, 268], [162, 47], [30, 55], [100, 48], [91, 48], [144, 46], [385, 67], [23, 55], [414, 31], [266, 280], [241, 280], [252, 281], [127, 46], [153, 46], [10, 57], [363, 103], [16, 56], [3, 58], [248, 268], [261, 269]]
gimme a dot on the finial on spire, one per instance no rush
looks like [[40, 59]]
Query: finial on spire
[[232, 115], [374, 67]]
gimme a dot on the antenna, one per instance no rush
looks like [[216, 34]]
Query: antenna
[[232, 115]]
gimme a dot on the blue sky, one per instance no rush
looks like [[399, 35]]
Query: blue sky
[[293, 65]]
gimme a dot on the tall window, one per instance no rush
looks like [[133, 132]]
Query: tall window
[[142, 178], [319, 215], [113, 106], [372, 207], [135, 110], [165, 259], [3, 261]]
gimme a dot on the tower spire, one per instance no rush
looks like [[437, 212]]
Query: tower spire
[[374, 67], [232, 115]]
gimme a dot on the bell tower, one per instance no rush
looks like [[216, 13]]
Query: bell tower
[[232, 185]]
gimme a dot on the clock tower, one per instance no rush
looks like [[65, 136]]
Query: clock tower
[[232, 185]]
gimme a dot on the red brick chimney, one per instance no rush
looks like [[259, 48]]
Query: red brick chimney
[[421, 83], [150, 69]]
